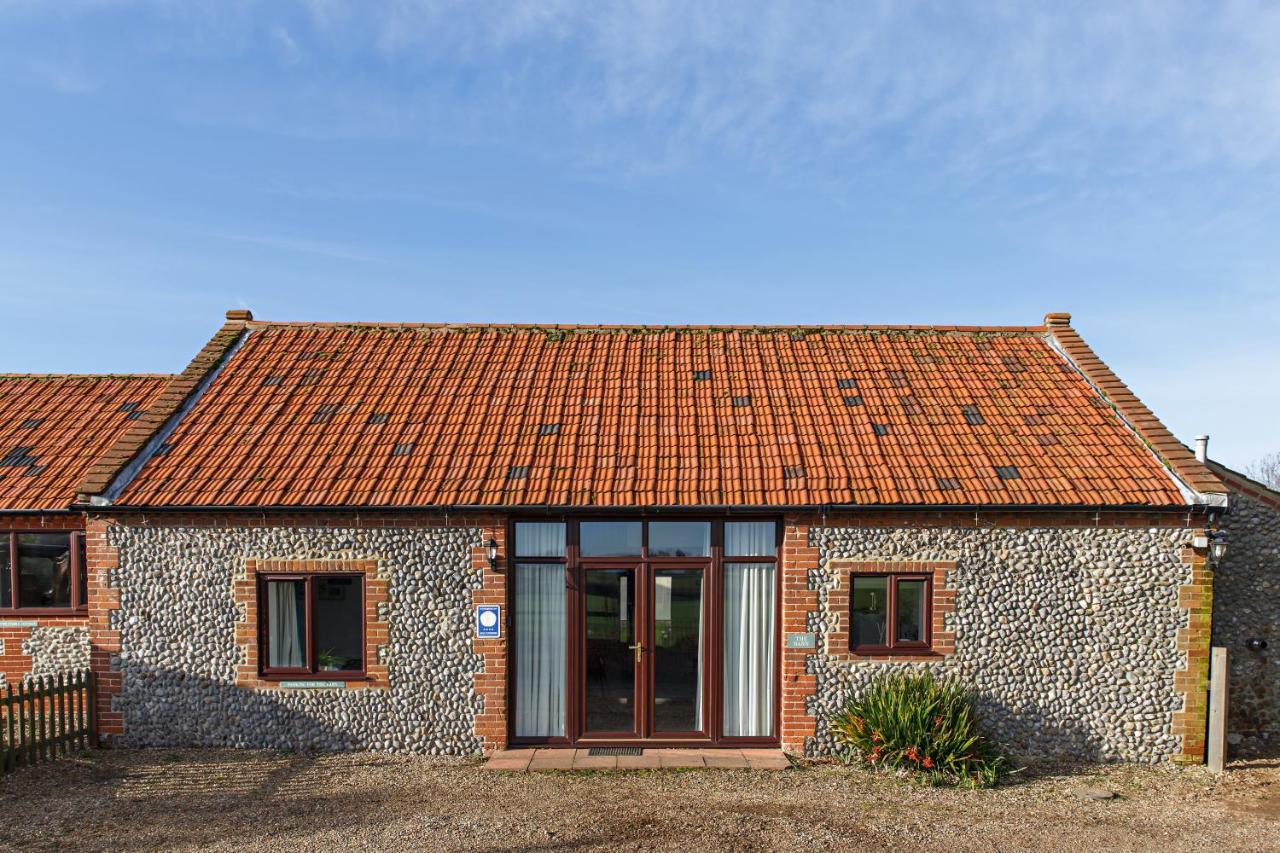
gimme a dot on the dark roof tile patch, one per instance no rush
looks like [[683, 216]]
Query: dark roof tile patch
[[54, 427]]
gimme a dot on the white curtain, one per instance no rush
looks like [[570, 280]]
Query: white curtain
[[697, 694], [540, 539], [749, 538], [540, 650], [748, 649], [283, 621]]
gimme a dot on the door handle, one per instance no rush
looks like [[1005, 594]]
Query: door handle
[[638, 649]]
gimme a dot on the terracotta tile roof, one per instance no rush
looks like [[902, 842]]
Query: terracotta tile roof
[[1176, 455], [398, 415], [148, 430], [52, 428]]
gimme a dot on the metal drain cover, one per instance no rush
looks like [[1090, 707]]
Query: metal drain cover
[[615, 750]]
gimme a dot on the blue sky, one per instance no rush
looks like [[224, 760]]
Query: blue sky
[[652, 162]]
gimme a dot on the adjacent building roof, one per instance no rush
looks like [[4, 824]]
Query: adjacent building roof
[[391, 415], [53, 427], [1246, 485]]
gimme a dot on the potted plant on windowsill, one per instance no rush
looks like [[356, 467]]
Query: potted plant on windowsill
[[329, 662]]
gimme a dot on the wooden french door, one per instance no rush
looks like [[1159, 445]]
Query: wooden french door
[[644, 649], [638, 631]]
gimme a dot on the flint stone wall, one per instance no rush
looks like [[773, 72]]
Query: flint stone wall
[[1068, 635], [57, 649], [178, 658], [1246, 605]]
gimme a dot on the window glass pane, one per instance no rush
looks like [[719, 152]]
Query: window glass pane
[[44, 570], [286, 624], [748, 649], [339, 615], [749, 538], [6, 590], [870, 611], [679, 539], [84, 572], [540, 629], [540, 540], [610, 538], [910, 611]]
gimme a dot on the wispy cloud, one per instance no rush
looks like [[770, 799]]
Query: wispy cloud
[[1094, 88], [286, 48]]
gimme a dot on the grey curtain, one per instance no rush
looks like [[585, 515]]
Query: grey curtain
[[540, 650]]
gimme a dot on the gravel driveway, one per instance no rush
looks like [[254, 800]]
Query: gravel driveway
[[173, 800]]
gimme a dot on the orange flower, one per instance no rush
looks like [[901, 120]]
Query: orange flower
[[876, 737], [928, 763], [912, 753]]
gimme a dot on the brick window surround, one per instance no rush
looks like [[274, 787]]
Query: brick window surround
[[942, 602], [248, 673]]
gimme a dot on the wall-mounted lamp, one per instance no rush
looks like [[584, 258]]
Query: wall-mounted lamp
[[493, 554], [1217, 546], [1255, 644]]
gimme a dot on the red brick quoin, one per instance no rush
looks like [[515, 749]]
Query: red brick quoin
[[491, 682]]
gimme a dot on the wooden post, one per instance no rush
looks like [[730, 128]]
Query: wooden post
[[91, 687], [78, 717], [20, 742], [1217, 746], [64, 748], [41, 716], [10, 748], [28, 703]]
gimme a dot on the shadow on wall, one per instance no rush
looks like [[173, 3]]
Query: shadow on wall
[[167, 708], [1029, 730]]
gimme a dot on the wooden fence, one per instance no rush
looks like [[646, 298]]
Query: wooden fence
[[46, 717]]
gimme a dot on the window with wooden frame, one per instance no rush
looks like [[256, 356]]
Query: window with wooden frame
[[889, 613], [43, 572], [311, 625]]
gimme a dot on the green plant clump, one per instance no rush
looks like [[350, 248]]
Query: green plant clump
[[919, 724]]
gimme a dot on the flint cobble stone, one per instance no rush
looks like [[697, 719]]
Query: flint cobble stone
[[177, 621], [1068, 636]]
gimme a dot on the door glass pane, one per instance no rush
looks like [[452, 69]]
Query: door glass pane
[[609, 665], [540, 629], [339, 615], [6, 566], [748, 649], [749, 538], [44, 570], [910, 609], [610, 538], [679, 539], [286, 624], [677, 651], [540, 540], [870, 611]]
